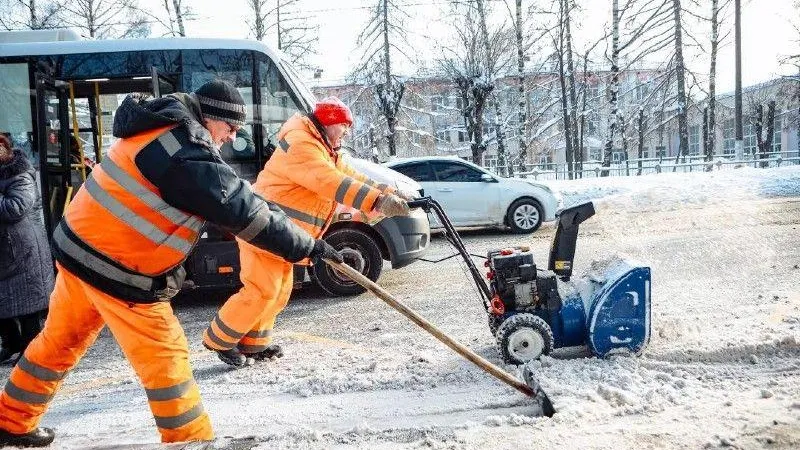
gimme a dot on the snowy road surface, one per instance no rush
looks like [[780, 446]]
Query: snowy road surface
[[722, 368]]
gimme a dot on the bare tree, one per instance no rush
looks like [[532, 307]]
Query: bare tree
[[30, 14], [647, 32], [492, 69], [710, 118], [291, 29], [176, 14], [764, 142], [383, 35], [106, 19], [465, 65], [683, 129]]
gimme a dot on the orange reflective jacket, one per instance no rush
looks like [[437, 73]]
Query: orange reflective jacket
[[139, 229], [306, 178]]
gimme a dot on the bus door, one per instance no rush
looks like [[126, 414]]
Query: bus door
[[161, 84], [52, 144]]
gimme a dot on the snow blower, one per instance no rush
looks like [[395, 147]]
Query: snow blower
[[533, 311]]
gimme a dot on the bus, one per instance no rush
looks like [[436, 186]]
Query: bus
[[59, 93]]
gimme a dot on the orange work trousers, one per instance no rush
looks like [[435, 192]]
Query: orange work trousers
[[247, 318], [149, 335]]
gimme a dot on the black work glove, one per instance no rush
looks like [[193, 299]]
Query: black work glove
[[324, 250]]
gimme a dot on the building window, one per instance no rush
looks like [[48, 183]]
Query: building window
[[641, 92], [436, 102], [489, 161], [595, 154], [750, 143], [661, 152], [459, 103], [728, 137], [617, 156], [694, 140], [462, 136], [546, 161], [645, 152], [442, 136], [776, 138]]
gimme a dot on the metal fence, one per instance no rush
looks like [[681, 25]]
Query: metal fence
[[633, 167]]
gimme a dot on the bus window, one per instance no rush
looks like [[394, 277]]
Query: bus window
[[277, 102], [236, 66], [15, 112]]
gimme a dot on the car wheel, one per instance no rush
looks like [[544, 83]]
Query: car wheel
[[359, 251], [524, 337], [524, 216]]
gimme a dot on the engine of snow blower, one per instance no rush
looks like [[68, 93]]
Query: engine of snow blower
[[532, 311]]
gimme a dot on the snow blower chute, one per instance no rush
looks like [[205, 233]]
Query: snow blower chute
[[532, 311]]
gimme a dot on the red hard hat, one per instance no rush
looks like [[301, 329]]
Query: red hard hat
[[331, 110]]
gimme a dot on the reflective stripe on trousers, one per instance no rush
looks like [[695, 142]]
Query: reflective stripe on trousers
[[247, 318], [150, 337]]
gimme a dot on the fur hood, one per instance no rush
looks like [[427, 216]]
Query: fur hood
[[18, 164]]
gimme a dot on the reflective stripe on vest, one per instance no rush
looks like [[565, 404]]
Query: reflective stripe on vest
[[121, 216], [304, 218]]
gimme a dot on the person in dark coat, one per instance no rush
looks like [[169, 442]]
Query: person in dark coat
[[26, 266]]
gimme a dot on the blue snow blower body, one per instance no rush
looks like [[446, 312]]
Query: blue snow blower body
[[532, 311]]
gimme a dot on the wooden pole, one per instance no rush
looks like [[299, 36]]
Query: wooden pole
[[459, 348]]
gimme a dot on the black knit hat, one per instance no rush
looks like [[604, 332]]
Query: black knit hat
[[220, 100]]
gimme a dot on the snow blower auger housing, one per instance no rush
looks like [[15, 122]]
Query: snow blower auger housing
[[532, 311]]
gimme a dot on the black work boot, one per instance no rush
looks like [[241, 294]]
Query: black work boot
[[272, 351], [232, 357], [39, 437]]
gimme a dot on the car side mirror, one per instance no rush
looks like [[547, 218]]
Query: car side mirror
[[486, 178]]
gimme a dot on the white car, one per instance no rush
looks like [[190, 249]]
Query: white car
[[471, 196]]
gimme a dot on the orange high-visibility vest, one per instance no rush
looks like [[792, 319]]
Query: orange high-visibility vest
[[120, 215]]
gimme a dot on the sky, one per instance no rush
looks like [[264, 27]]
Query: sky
[[767, 34]]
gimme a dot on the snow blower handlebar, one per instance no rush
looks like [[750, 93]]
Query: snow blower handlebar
[[428, 204]]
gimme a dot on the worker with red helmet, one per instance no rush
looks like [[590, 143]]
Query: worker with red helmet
[[306, 177]]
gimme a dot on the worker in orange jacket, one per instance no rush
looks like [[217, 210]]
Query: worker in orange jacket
[[119, 249], [306, 177]]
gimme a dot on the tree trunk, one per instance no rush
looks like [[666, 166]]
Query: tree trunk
[[571, 85], [391, 119], [179, 17], [522, 126], [279, 24], [683, 129], [614, 88], [640, 125], [710, 140], [562, 81], [706, 138], [764, 142], [739, 143], [34, 20], [580, 130], [502, 157]]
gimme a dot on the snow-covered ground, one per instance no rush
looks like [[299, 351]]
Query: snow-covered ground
[[722, 368]]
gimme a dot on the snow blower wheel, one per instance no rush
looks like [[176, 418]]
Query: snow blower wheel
[[524, 337], [494, 323]]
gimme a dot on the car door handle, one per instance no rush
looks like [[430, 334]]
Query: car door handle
[[444, 190]]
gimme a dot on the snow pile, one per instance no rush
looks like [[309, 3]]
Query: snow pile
[[655, 191], [722, 369]]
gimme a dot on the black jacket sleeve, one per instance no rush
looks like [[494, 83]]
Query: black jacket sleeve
[[195, 179]]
